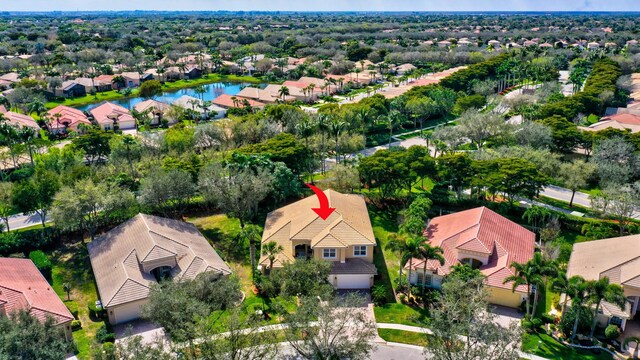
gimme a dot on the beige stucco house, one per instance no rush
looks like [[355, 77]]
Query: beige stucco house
[[619, 260], [483, 239], [345, 238], [131, 257]]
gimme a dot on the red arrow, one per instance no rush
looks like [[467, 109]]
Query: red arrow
[[324, 210]]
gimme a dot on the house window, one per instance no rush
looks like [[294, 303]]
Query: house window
[[107, 128], [473, 263], [428, 279], [329, 253], [359, 250]]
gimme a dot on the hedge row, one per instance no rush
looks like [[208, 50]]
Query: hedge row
[[462, 80], [603, 77]]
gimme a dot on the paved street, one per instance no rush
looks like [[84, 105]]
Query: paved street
[[22, 221], [558, 193]]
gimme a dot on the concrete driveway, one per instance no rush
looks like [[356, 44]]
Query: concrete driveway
[[150, 332], [505, 315]]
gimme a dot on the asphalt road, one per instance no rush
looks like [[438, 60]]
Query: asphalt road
[[23, 221], [558, 193]]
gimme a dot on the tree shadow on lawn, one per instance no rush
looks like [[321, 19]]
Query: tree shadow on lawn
[[73, 266], [230, 246]]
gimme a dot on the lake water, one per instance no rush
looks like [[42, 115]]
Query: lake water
[[213, 91]]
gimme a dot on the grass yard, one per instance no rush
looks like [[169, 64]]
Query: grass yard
[[71, 264], [404, 337], [88, 99], [545, 346], [396, 313]]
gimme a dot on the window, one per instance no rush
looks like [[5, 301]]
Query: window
[[474, 263], [329, 253], [359, 250], [428, 280], [615, 321]]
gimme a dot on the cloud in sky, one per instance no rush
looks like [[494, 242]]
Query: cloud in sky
[[330, 5]]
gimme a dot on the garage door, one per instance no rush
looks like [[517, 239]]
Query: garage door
[[127, 312], [353, 281]]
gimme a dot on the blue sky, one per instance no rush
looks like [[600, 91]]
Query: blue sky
[[324, 5]]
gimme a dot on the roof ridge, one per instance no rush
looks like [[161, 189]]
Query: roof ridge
[[619, 265]]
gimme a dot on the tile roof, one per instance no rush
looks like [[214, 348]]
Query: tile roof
[[106, 113], [615, 258], [21, 120], [22, 287], [119, 256], [353, 267], [484, 232], [151, 104], [68, 115], [225, 101], [348, 225]]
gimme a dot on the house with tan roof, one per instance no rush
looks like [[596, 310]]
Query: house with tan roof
[[133, 256], [21, 121], [617, 259], [484, 240], [345, 238], [62, 118], [110, 116], [155, 110], [23, 287], [197, 105]]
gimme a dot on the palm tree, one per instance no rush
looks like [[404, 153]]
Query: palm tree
[[322, 122], [428, 252], [283, 92], [600, 290], [271, 250], [363, 117], [413, 250], [562, 285], [335, 127], [357, 71], [393, 119], [306, 128], [398, 245], [200, 90], [529, 274], [119, 81], [126, 92], [579, 297], [251, 234], [36, 106], [128, 141]]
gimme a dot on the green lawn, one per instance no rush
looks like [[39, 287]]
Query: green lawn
[[71, 264], [88, 99], [396, 313], [545, 346], [404, 337]]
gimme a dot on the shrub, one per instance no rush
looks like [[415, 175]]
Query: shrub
[[379, 294], [612, 332], [536, 323], [73, 308], [547, 318], [526, 325], [76, 325], [104, 335], [402, 298], [42, 262]]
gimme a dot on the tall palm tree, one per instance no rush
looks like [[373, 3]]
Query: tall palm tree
[[283, 92], [397, 245], [600, 290], [252, 235], [428, 252], [528, 275], [37, 107], [335, 127], [363, 117], [271, 250], [412, 250], [579, 298], [200, 90], [306, 129], [322, 122], [393, 119], [128, 141], [562, 285]]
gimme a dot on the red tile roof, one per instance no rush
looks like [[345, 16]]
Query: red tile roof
[[105, 112], [68, 115], [225, 101], [484, 232], [629, 119], [22, 286]]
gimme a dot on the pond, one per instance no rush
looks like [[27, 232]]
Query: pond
[[213, 91]]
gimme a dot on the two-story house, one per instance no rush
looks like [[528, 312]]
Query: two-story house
[[345, 238], [617, 259]]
